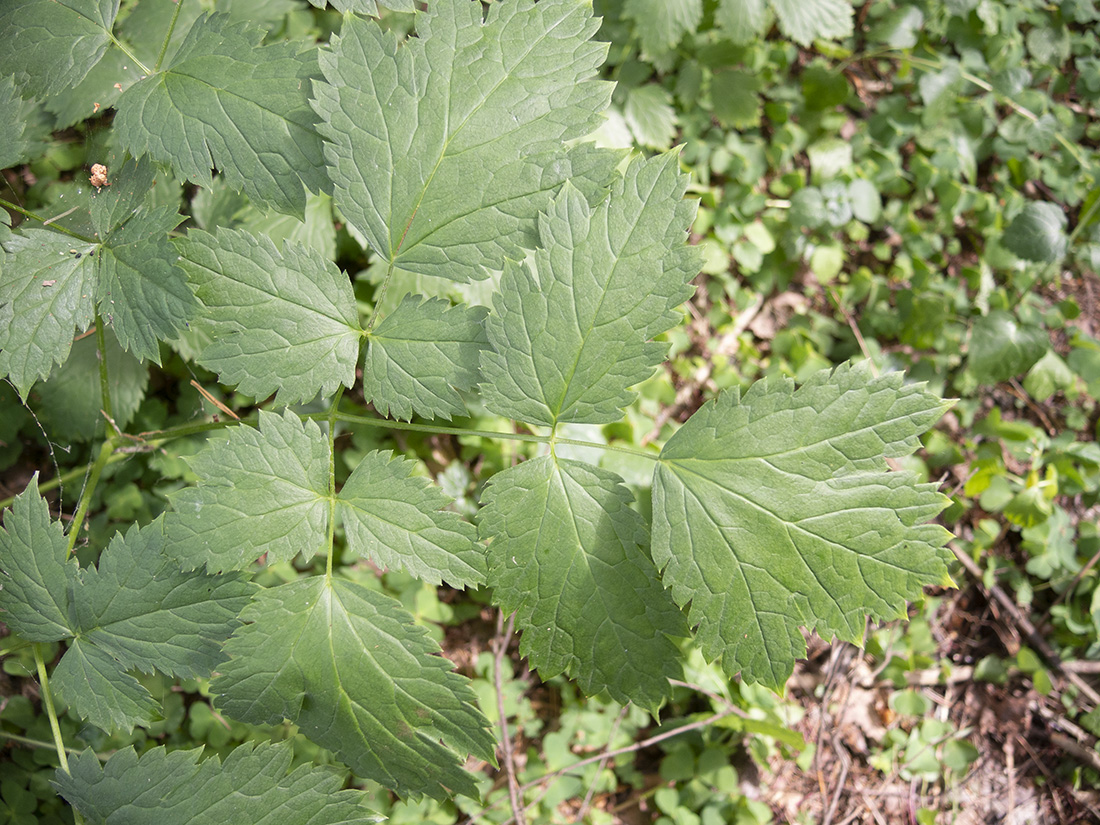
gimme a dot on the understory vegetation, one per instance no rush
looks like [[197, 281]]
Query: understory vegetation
[[503, 367]]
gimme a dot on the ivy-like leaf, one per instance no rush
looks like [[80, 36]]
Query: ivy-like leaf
[[571, 331], [421, 355], [807, 20], [397, 520], [50, 45], [443, 149], [349, 667], [262, 491], [776, 510], [662, 23], [567, 555], [1038, 233], [47, 289], [282, 323], [175, 788], [1001, 347], [34, 574], [224, 100]]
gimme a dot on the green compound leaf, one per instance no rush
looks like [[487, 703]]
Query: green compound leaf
[[421, 355], [397, 520], [139, 290], [13, 144], [34, 574], [139, 611], [96, 688], [282, 323], [47, 288], [52, 284], [349, 667], [805, 21], [1038, 233], [776, 510], [742, 21], [263, 491], [50, 45], [567, 555], [250, 785], [572, 325], [444, 148], [662, 23], [142, 609], [224, 100]]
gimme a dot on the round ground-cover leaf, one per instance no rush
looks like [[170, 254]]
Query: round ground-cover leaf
[[661, 24], [1038, 233], [1001, 347], [741, 20], [776, 510], [566, 552], [807, 20], [349, 667]]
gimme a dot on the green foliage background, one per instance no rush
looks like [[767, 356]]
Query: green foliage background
[[912, 185]]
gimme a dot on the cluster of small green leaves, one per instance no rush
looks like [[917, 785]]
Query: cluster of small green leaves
[[455, 157]]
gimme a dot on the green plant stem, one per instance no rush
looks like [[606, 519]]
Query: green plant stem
[[89, 488], [490, 434], [168, 36], [104, 378], [26, 213], [51, 712], [380, 296], [330, 543], [122, 47], [38, 743]]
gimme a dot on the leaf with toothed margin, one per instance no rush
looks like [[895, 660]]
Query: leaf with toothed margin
[[253, 783], [444, 148], [775, 510], [349, 667], [573, 324], [567, 554], [421, 355], [282, 323]]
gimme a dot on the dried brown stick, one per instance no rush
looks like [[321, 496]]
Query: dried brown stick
[[1025, 626]]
